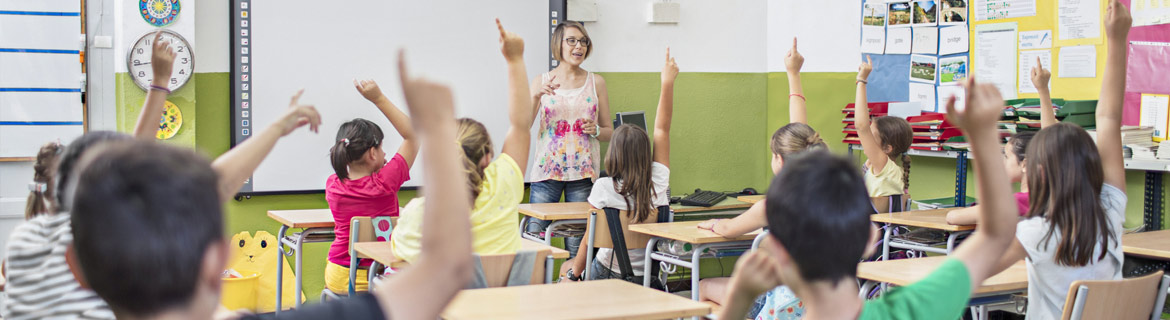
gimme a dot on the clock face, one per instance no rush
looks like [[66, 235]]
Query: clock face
[[138, 60]]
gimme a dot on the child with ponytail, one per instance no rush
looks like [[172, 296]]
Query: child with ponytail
[[40, 196], [885, 139], [364, 183]]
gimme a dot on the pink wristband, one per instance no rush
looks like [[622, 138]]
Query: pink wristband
[[160, 88]]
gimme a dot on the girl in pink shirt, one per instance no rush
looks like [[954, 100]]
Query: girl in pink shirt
[[365, 184]]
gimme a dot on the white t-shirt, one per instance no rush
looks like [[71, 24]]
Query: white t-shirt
[[1048, 282], [605, 196]]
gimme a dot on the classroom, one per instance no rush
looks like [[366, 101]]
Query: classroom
[[717, 142]]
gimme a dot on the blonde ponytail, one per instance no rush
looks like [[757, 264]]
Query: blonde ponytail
[[476, 144]]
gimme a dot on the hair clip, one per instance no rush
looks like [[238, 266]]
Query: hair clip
[[37, 187], [345, 141]]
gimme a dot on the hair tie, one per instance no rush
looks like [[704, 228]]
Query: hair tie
[[345, 141], [37, 186]]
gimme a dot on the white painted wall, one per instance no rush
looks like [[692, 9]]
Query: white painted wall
[[829, 34]]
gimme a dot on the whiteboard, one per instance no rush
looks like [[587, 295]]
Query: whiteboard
[[323, 46]]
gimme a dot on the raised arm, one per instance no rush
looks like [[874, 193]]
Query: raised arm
[[162, 60], [1117, 23], [873, 150], [796, 101], [1040, 78], [236, 165], [516, 143], [997, 212], [665, 111], [409, 148], [446, 234]]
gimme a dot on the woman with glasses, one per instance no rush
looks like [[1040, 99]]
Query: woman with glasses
[[572, 107]]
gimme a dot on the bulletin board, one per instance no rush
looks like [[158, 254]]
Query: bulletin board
[[1148, 71], [914, 62]]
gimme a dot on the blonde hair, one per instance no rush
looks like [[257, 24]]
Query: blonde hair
[[794, 138], [558, 38], [475, 142]]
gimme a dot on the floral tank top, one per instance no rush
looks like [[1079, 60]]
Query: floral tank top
[[564, 152]]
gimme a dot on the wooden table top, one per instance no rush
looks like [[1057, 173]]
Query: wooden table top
[[556, 210], [751, 199], [726, 204], [311, 218], [601, 299], [380, 251], [1151, 244], [687, 231], [902, 272], [933, 219]]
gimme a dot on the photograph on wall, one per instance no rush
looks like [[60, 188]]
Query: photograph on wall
[[923, 68], [952, 12], [952, 70], [874, 14], [899, 14], [925, 13]]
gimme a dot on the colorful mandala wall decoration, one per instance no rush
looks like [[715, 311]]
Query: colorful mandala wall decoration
[[159, 13]]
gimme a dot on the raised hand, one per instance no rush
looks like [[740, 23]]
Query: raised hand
[[428, 102], [984, 107], [1117, 21], [510, 44], [548, 88], [793, 61], [1040, 76], [369, 90], [670, 69], [299, 115], [865, 68], [162, 60]]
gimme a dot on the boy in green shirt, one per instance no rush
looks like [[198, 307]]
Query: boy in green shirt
[[819, 223]]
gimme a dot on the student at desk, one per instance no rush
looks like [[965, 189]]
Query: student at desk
[[496, 186], [639, 177]]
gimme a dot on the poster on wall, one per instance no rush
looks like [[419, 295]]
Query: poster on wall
[[1028, 61], [159, 13], [898, 14], [995, 56], [952, 70], [1003, 9], [1149, 12], [952, 12], [925, 13], [926, 40], [923, 68], [952, 40], [1078, 20]]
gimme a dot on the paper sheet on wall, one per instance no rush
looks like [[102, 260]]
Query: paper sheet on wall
[[922, 94], [1078, 62], [1149, 12], [1040, 39], [873, 40], [1003, 9], [1078, 19], [923, 69], [1147, 72], [906, 109], [898, 41], [952, 40], [946, 92], [926, 40], [1154, 109], [995, 56], [1027, 62]]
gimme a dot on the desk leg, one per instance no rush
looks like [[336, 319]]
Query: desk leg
[[866, 288], [698, 251], [370, 275], [886, 242], [280, 264], [298, 270], [650, 246], [591, 230], [548, 269], [951, 242]]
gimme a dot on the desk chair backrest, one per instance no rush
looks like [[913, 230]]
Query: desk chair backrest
[[366, 229], [1133, 298], [613, 231], [500, 270]]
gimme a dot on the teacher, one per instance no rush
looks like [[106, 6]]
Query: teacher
[[572, 107]]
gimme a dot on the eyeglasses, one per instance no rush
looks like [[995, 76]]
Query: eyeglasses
[[574, 41]]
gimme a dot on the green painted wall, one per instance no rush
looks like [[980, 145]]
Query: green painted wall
[[722, 124], [129, 98]]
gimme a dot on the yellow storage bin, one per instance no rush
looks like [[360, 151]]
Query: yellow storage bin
[[240, 293]]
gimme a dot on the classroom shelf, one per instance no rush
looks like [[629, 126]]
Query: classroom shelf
[[1148, 165]]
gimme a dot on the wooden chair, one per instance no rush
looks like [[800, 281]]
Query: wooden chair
[[497, 268], [602, 233], [1133, 298], [365, 229]]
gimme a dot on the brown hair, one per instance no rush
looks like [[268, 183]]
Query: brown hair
[[1065, 179], [558, 38], [41, 194], [354, 139], [629, 161], [475, 142], [794, 138], [896, 133], [1019, 144]]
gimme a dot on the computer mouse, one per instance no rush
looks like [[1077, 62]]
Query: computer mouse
[[749, 191]]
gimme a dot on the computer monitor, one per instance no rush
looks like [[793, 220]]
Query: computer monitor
[[637, 118]]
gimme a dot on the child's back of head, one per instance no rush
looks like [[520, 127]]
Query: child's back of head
[[354, 139], [145, 217], [476, 144], [794, 138], [818, 208]]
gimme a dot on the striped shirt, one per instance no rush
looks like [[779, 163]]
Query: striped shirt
[[40, 285]]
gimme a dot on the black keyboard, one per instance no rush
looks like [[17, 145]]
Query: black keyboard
[[703, 198]]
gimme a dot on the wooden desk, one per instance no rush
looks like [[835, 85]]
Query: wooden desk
[[932, 219], [751, 199], [557, 213], [380, 252], [318, 227], [602, 299], [1152, 244], [686, 231], [903, 272], [726, 204]]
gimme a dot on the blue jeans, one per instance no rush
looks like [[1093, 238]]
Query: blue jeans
[[550, 191]]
